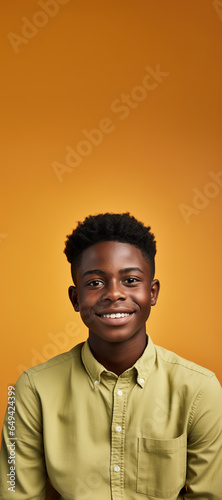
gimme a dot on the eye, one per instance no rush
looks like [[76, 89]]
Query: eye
[[131, 281], [95, 283]]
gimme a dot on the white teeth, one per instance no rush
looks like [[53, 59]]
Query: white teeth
[[117, 315]]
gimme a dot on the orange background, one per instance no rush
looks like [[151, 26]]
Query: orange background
[[65, 76]]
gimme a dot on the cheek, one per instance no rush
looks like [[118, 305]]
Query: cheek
[[144, 301], [86, 304], [143, 297], [85, 315]]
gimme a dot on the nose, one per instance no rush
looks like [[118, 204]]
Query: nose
[[114, 291]]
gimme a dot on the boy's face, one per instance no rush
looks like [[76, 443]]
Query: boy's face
[[114, 290]]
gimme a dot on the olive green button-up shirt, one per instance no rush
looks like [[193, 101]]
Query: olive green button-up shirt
[[153, 432]]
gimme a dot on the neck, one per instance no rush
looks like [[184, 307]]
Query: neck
[[118, 356]]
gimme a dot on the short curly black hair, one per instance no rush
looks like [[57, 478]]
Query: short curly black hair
[[110, 227]]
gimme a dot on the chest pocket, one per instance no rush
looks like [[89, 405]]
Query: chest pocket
[[161, 466]]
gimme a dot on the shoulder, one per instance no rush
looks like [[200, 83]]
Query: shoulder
[[54, 369], [57, 361], [186, 376], [177, 363], [194, 383]]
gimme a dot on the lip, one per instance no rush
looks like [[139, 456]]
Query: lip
[[115, 311], [116, 321]]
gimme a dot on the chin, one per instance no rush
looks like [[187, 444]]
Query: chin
[[116, 336]]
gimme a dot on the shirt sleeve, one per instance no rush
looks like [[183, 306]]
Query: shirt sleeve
[[25, 451], [204, 453]]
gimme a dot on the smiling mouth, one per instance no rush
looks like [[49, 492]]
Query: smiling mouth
[[115, 319], [113, 316]]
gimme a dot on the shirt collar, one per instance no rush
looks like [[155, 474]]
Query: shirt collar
[[143, 365]]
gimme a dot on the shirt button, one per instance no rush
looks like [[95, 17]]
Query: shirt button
[[116, 468], [141, 380], [96, 382], [120, 393], [118, 428]]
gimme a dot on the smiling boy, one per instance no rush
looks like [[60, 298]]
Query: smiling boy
[[116, 417], [114, 294]]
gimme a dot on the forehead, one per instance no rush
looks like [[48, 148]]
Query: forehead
[[112, 255]]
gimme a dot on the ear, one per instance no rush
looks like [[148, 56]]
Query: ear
[[73, 297], [155, 287]]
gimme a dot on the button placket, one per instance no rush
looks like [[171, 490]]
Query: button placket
[[117, 439]]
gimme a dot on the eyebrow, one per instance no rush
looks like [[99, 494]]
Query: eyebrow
[[128, 269], [93, 271], [125, 270]]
